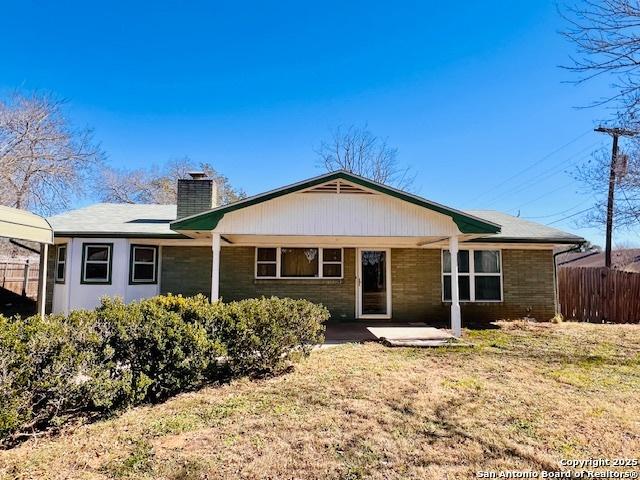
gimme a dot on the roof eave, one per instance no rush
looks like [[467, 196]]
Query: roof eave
[[550, 240], [85, 234]]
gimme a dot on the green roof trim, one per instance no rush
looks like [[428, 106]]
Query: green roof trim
[[209, 220]]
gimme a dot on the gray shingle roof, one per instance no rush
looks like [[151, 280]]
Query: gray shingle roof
[[515, 228], [117, 219], [153, 220]]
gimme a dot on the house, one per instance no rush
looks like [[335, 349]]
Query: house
[[363, 249], [624, 259]]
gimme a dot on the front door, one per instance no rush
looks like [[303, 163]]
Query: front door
[[374, 289]]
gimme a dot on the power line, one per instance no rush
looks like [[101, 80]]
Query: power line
[[624, 194], [544, 175], [561, 187], [570, 216], [537, 162], [615, 134], [554, 214]]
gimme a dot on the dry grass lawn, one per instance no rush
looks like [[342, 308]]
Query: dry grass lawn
[[526, 396]]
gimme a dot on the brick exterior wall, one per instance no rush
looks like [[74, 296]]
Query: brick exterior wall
[[417, 292], [195, 196], [416, 283], [186, 270], [237, 271]]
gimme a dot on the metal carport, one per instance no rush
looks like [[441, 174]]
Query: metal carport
[[23, 225]]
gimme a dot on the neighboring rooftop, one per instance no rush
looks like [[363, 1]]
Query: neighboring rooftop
[[627, 260], [139, 220]]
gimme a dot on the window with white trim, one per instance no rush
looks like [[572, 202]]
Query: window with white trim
[[144, 264], [479, 275], [332, 263], [61, 262], [96, 262], [267, 262], [299, 262]]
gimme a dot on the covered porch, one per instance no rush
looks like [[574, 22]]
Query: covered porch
[[377, 284], [335, 239]]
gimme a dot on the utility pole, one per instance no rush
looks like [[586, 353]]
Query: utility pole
[[615, 133]]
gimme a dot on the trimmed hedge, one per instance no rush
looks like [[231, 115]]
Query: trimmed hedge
[[96, 362]]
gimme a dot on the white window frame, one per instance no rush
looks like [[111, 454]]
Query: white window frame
[[132, 279], [278, 263], [61, 280], [472, 274], [322, 262], [108, 262]]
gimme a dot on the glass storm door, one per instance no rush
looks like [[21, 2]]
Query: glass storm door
[[374, 289]]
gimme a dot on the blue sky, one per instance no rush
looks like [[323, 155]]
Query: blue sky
[[470, 94]]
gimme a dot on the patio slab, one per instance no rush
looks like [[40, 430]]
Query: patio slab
[[405, 333], [410, 333]]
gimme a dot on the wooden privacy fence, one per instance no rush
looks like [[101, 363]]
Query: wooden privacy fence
[[599, 295], [20, 277]]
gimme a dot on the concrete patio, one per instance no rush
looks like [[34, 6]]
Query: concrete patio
[[392, 333]]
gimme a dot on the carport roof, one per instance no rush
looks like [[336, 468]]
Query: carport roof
[[23, 225]]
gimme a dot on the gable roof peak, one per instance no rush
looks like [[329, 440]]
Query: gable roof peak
[[208, 220]]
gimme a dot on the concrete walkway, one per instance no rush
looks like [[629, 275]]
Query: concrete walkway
[[409, 334]]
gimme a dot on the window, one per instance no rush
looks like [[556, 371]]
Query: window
[[96, 262], [332, 262], [299, 262], [143, 264], [61, 262], [479, 275], [267, 262]]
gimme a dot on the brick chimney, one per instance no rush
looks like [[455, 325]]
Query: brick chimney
[[196, 194]]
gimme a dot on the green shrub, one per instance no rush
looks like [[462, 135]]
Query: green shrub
[[52, 368], [95, 362], [164, 353], [263, 335]]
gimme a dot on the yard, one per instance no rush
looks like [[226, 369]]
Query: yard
[[525, 397]]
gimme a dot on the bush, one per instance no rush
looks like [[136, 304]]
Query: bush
[[52, 368], [163, 353], [95, 362], [262, 335]]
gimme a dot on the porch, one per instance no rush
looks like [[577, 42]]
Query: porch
[[293, 227], [374, 286]]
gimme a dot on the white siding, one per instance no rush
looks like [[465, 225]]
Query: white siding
[[76, 295], [337, 215]]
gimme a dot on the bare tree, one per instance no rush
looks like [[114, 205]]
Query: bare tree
[[594, 176], [606, 34], [607, 38], [158, 184], [44, 163], [358, 151]]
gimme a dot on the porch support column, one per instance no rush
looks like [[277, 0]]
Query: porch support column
[[456, 323], [215, 266], [42, 279]]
